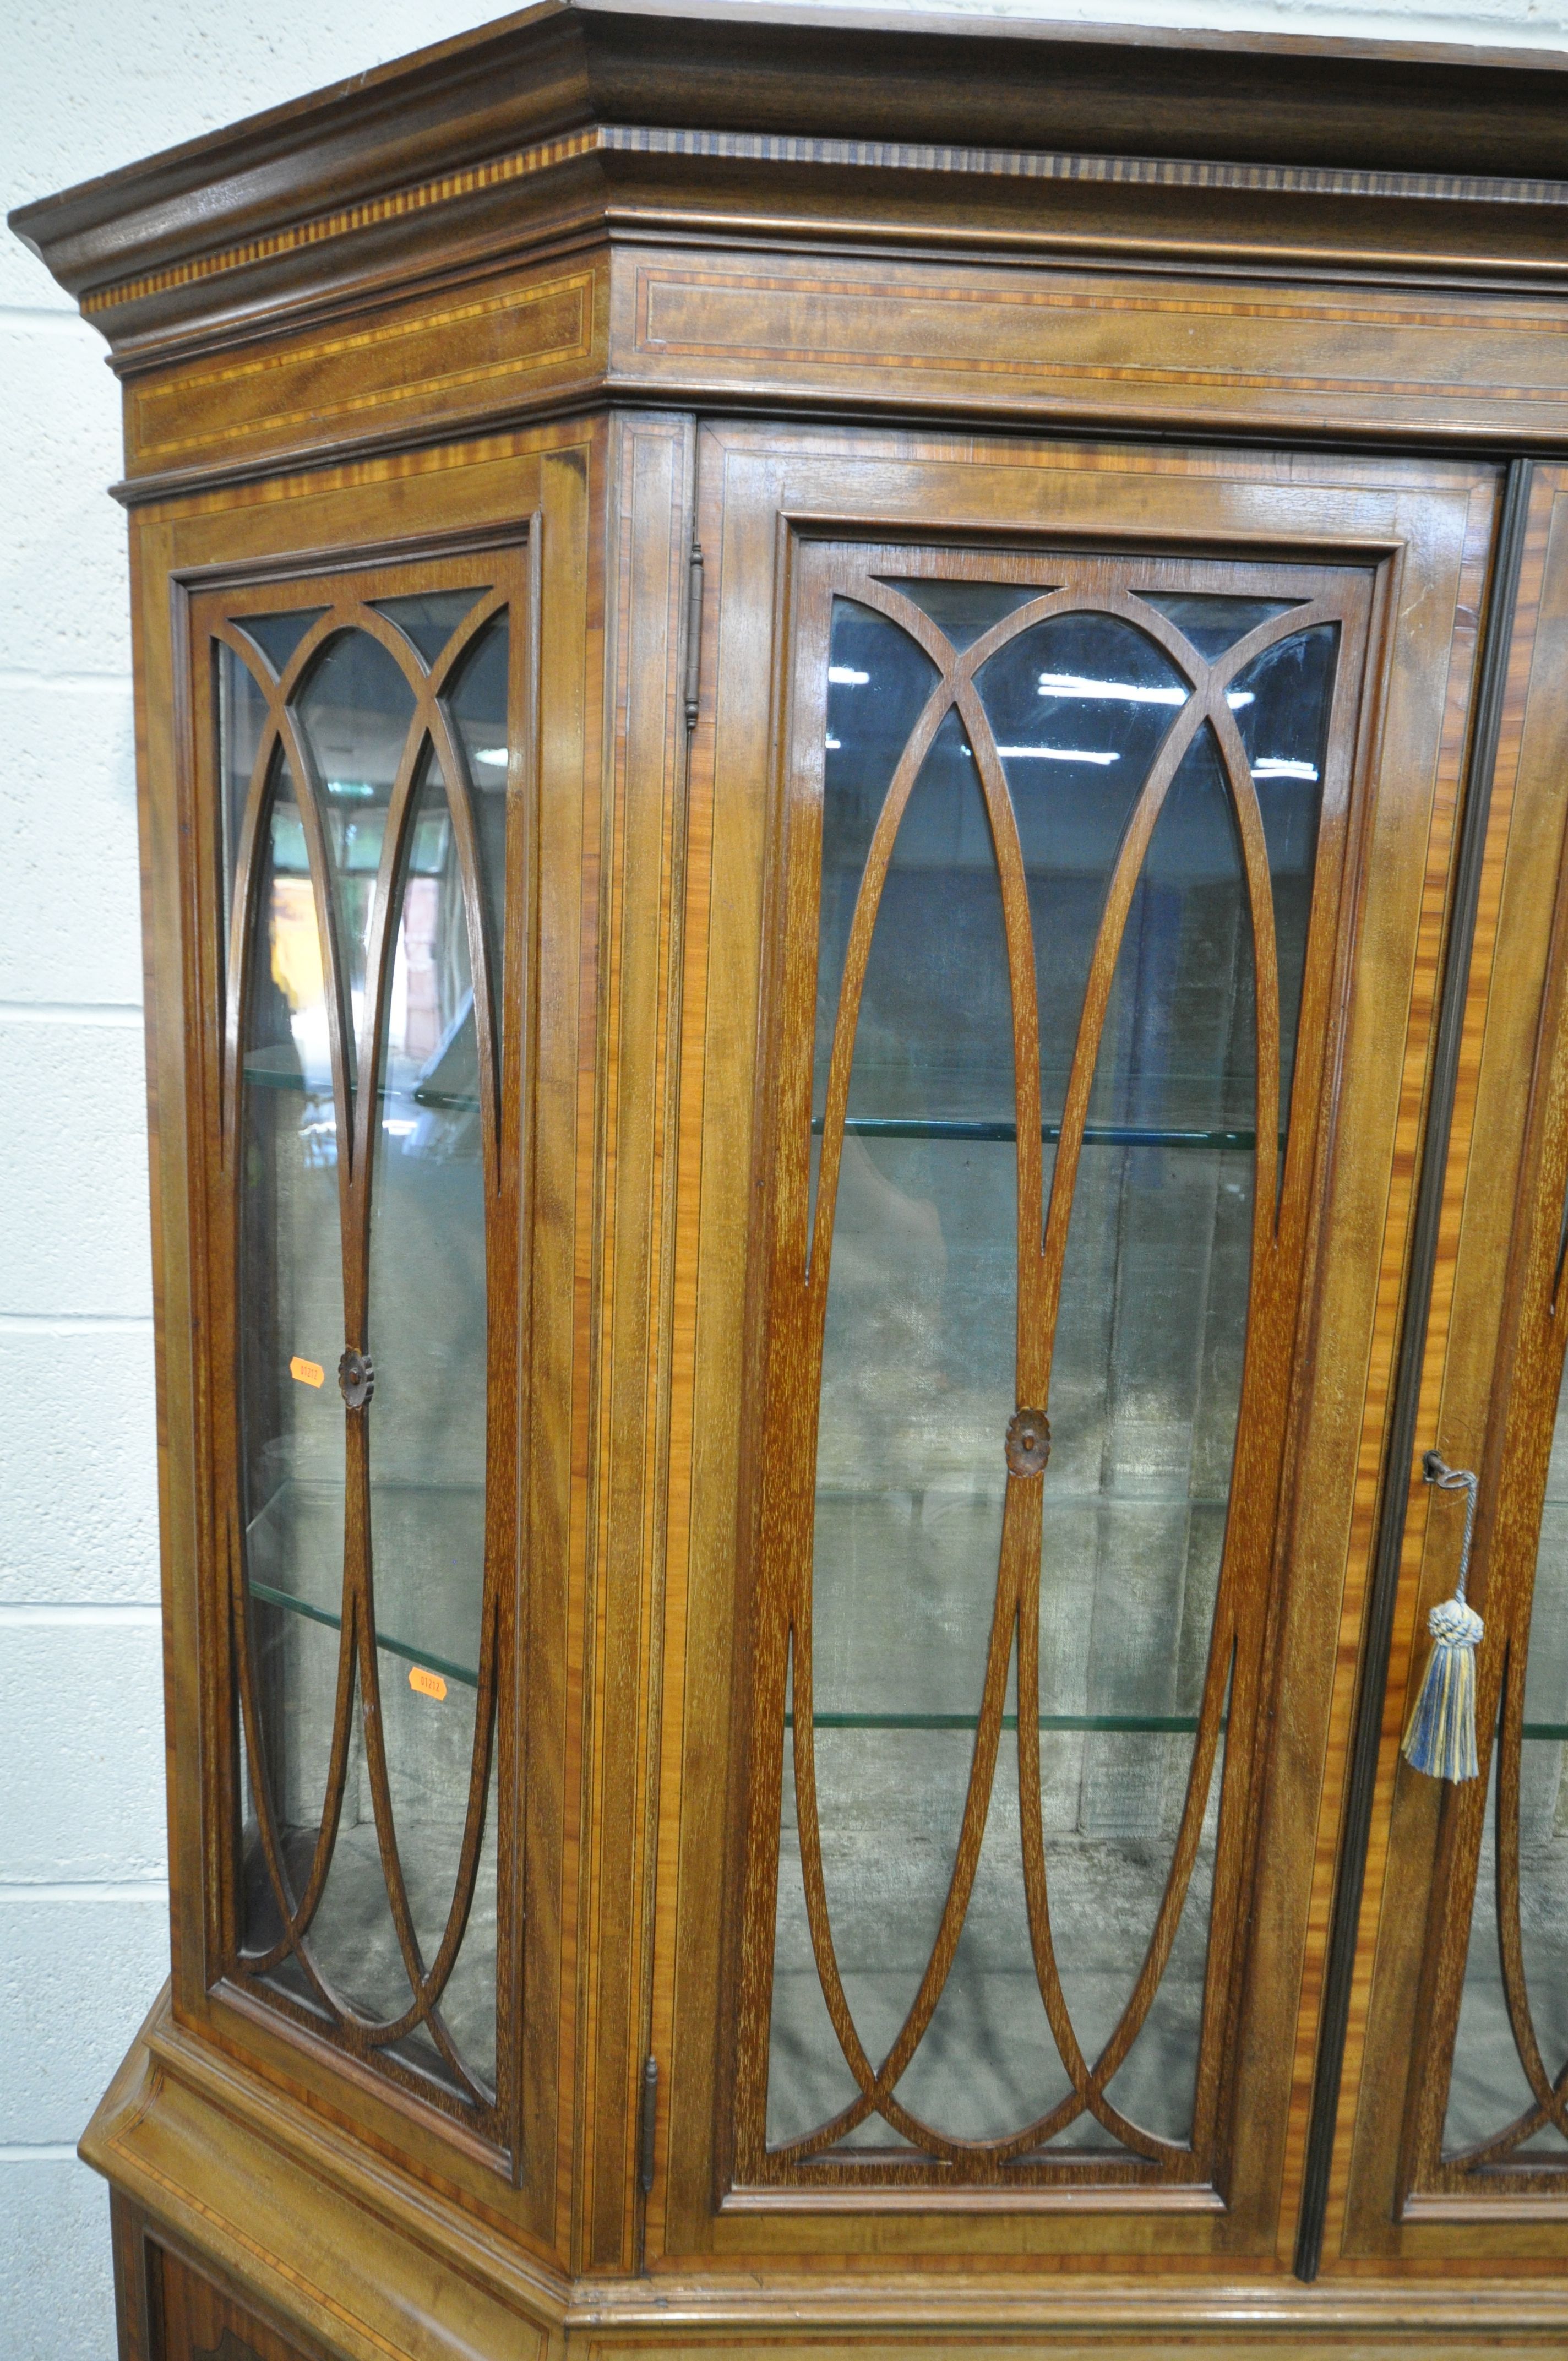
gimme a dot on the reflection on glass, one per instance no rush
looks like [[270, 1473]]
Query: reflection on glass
[[1144, 1394], [1284, 727], [292, 1469], [1489, 2092], [963, 610], [242, 719], [1078, 707], [476, 700], [415, 1222], [353, 713], [920, 1368], [277, 636], [430, 619], [1212, 621]]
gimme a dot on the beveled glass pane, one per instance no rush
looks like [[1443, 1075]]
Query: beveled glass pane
[[1489, 2090], [242, 719], [809, 2079], [989, 2065], [1213, 622], [918, 1381], [476, 701], [917, 1391], [292, 1438], [1078, 707], [427, 1320], [963, 610], [1144, 1393], [402, 1263], [296, 1666], [353, 1938], [426, 1422], [1282, 702], [278, 635], [878, 680], [429, 619], [468, 2003], [354, 710], [1155, 2088]]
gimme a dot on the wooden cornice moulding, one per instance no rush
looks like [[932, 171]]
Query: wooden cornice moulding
[[581, 111]]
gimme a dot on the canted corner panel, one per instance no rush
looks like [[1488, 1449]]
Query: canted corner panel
[[1065, 345], [479, 352], [347, 2253]]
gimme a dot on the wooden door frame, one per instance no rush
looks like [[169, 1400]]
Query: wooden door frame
[[1487, 1390], [802, 482]]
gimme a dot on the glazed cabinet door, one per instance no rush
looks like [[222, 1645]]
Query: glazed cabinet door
[[379, 850], [365, 729], [1454, 2123], [1070, 834]]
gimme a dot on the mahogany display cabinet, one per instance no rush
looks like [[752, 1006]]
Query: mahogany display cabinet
[[853, 756]]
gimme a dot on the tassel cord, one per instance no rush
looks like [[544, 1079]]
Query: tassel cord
[[1440, 1737], [1437, 1471]]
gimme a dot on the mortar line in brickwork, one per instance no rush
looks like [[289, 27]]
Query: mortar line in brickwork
[[96, 684], [127, 1013], [47, 1614], [75, 1323], [137, 1889]]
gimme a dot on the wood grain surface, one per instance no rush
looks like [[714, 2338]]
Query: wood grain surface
[[583, 293], [754, 485]]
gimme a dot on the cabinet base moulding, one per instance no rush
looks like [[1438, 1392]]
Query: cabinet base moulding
[[312, 2249]]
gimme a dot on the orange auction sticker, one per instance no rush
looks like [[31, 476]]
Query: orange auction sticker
[[427, 1684], [309, 1373]]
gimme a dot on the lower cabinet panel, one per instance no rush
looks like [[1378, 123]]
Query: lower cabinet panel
[[191, 2320]]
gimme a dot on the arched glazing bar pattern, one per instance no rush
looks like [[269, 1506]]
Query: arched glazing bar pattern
[[370, 757], [1492, 2097], [1054, 994]]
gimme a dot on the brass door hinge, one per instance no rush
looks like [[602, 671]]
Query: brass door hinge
[[693, 631], [647, 2125]]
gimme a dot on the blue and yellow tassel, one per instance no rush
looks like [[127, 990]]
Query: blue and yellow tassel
[[1440, 1736]]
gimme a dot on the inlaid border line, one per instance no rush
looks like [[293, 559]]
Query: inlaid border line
[[866, 155]]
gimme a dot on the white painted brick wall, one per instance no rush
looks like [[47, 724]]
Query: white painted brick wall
[[85, 85]]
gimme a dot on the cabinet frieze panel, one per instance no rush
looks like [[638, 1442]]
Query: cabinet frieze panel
[[380, 381], [1054, 344], [1064, 345]]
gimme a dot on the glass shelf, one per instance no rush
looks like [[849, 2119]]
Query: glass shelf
[[1182, 1724], [270, 1598], [1095, 1135]]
